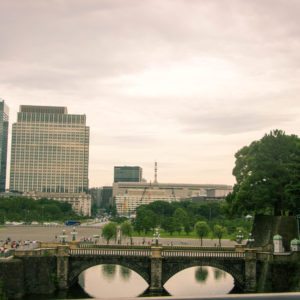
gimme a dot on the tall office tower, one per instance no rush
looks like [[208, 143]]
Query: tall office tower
[[3, 143], [128, 174], [49, 155]]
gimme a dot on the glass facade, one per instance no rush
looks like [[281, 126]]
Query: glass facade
[[3, 143], [127, 174], [49, 151]]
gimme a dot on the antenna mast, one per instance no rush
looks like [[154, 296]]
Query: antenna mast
[[155, 173]]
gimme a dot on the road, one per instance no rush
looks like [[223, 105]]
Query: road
[[52, 233]]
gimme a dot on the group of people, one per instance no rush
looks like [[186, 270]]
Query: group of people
[[9, 244]]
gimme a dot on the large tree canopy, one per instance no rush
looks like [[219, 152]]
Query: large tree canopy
[[267, 176]]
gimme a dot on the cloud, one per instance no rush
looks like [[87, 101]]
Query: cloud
[[151, 75], [227, 122]]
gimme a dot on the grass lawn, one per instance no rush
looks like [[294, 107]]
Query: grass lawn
[[182, 235]]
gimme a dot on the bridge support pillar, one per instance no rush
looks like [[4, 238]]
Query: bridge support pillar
[[62, 267], [250, 270], [156, 269]]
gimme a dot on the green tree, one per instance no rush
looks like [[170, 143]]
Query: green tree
[[187, 226], [127, 230], [201, 229], [181, 217], [219, 231], [109, 231], [145, 220], [267, 176], [169, 224]]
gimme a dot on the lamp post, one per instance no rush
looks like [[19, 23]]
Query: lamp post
[[239, 237], [250, 240], [96, 238], [74, 233], [63, 237], [156, 236]]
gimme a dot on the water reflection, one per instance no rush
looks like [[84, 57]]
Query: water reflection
[[109, 271], [219, 274], [186, 282], [111, 281], [201, 274], [125, 273]]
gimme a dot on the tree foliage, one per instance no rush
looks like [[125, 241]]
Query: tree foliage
[[202, 229], [219, 231], [267, 176], [109, 231], [28, 210], [127, 229]]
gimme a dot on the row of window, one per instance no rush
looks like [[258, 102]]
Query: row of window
[[51, 117]]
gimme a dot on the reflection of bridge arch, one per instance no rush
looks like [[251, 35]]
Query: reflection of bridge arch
[[140, 265], [235, 269]]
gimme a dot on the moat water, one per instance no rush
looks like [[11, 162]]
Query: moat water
[[110, 281], [114, 281]]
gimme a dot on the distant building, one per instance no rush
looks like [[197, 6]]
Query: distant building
[[106, 198], [50, 154], [101, 197], [128, 174], [96, 194], [4, 111], [128, 196]]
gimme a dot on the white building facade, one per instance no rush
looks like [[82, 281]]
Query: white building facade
[[129, 195], [50, 154]]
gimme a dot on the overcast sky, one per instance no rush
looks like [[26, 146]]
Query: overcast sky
[[183, 82]]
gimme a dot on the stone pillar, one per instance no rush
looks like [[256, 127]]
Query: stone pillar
[[156, 269], [250, 270], [62, 266], [277, 243]]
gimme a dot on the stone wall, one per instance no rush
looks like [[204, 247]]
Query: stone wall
[[40, 275], [29, 275], [265, 227], [12, 277], [279, 275]]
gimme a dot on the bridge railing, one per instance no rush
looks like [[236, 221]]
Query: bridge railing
[[198, 248], [98, 246], [203, 254], [35, 252], [110, 252]]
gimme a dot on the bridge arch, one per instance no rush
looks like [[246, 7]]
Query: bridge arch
[[79, 264], [236, 270]]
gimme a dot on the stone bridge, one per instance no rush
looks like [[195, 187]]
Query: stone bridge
[[156, 263]]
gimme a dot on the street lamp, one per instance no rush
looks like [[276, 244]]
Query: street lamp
[[239, 237], [156, 236], [248, 217], [63, 237], [74, 233], [250, 240], [96, 238]]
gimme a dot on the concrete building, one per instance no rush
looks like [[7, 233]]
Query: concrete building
[[128, 174], [4, 111], [128, 195], [101, 196], [49, 155]]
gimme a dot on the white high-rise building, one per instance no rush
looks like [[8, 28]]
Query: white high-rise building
[[50, 154]]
